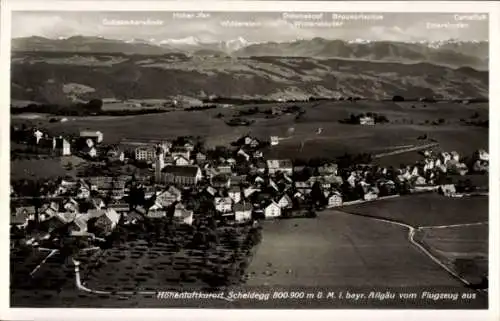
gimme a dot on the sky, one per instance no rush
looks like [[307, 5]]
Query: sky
[[252, 26]]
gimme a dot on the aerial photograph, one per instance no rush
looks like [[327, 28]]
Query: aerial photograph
[[249, 160]]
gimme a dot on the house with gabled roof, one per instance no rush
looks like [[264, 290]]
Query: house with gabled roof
[[223, 204], [168, 197], [201, 158], [235, 193], [284, 201], [183, 215], [334, 199], [280, 165], [272, 210], [107, 220], [224, 169], [304, 187], [181, 175], [181, 161], [243, 212]]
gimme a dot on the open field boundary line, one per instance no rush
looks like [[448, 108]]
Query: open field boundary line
[[406, 150], [356, 202], [80, 286], [453, 225], [43, 262], [411, 239]]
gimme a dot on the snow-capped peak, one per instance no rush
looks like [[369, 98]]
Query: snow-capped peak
[[236, 44], [359, 40], [182, 41]]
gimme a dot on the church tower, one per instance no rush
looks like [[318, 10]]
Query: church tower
[[159, 163]]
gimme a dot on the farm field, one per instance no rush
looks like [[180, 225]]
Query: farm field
[[49, 167], [335, 139], [464, 249], [426, 209], [338, 249]]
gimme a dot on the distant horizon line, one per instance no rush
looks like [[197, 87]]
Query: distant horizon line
[[153, 41]]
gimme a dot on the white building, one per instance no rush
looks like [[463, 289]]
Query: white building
[[367, 121], [243, 212], [223, 204], [145, 153], [285, 202], [272, 210], [280, 165], [97, 136], [235, 194], [334, 200]]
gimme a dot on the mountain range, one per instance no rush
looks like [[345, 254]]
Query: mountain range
[[448, 53]]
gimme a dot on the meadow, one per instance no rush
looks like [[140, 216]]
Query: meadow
[[426, 209], [464, 249], [408, 121]]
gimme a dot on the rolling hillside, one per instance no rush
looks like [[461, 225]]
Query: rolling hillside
[[46, 77]]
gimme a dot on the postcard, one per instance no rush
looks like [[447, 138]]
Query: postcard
[[246, 156]]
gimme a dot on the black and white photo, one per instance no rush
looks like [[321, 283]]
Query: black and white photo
[[249, 159]]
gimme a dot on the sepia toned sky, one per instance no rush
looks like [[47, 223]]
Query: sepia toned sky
[[257, 27]]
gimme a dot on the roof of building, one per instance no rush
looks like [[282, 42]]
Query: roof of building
[[241, 207], [219, 200], [279, 163], [156, 214], [187, 170], [179, 149]]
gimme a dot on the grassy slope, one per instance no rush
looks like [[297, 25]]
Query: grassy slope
[[130, 77], [335, 139], [426, 209], [337, 249]]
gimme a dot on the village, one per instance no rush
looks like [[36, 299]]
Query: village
[[185, 182]]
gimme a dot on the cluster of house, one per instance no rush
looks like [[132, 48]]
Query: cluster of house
[[86, 144], [265, 188]]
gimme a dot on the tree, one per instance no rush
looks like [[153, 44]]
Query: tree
[[94, 105], [398, 98]]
